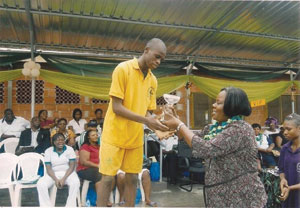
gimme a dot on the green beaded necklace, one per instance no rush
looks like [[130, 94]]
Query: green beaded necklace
[[218, 127], [259, 138]]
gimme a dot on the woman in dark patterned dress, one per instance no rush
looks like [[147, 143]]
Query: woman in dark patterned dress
[[229, 150]]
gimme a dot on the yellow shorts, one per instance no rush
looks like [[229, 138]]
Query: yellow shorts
[[113, 158]]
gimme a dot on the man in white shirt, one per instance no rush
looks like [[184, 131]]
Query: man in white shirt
[[11, 125]]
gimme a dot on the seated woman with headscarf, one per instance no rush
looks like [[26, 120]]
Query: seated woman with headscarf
[[272, 128]]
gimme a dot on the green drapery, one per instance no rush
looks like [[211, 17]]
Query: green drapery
[[103, 67], [99, 87], [255, 90], [169, 84], [297, 83], [7, 58], [10, 75], [88, 86], [241, 72]]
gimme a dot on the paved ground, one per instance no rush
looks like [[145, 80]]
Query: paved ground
[[164, 194]]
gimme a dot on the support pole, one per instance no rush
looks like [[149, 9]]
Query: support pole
[[32, 47], [160, 163], [292, 96], [32, 96], [188, 93], [9, 94]]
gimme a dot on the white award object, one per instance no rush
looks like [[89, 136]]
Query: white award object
[[171, 100]]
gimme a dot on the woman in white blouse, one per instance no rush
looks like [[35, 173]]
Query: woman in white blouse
[[77, 124]]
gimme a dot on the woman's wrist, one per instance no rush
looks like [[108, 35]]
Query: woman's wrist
[[179, 126]]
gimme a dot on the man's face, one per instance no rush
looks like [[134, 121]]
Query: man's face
[[35, 122], [154, 56], [9, 116]]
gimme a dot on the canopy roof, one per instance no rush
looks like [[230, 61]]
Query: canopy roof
[[253, 33]]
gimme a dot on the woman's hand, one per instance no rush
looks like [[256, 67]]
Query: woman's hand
[[57, 184], [62, 182], [171, 119]]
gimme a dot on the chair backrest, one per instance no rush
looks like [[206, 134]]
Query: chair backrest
[[184, 150], [10, 144], [8, 164], [29, 163]]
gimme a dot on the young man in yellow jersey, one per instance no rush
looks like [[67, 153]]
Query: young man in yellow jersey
[[132, 95]]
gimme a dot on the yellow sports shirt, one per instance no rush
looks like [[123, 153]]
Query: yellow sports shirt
[[138, 95]]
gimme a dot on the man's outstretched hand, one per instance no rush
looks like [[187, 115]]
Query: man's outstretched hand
[[155, 124]]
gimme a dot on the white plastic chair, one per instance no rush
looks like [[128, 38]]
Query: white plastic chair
[[10, 144], [142, 190], [84, 190], [8, 164], [53, 192], [29, 163]]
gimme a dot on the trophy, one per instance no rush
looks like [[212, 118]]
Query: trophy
[[171, 100]]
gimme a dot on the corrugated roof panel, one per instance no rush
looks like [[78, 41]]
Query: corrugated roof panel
[[265, 30]]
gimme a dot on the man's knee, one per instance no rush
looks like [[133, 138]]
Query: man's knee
[[120, 177], [131, 178], [107, 180], [145, 175]]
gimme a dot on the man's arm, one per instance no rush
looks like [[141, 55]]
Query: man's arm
[[120, 110]]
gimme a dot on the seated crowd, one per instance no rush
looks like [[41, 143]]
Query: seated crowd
[[60, 141]]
